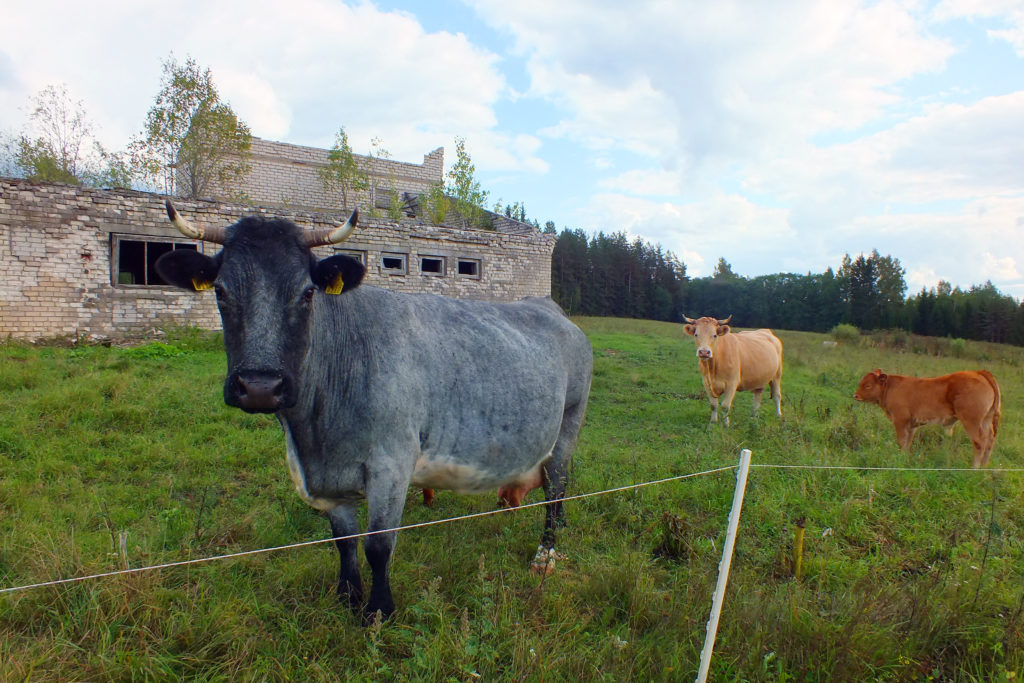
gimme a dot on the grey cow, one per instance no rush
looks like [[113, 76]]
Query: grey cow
[[378, 390]]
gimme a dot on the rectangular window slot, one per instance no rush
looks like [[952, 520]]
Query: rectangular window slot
[[469, 267], [135, 260], [352, 253], [393, 264], [432, 265]]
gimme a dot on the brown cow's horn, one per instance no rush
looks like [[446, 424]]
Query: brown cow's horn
[[316, 238], [689, 320], [726, 321], [216, 235]]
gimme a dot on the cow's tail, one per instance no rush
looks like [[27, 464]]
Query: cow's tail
[[995, 412]]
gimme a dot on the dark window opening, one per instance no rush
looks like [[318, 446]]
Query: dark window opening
[[393, 264], [136, 260], [432, 265], [351, 253], [469, 267]]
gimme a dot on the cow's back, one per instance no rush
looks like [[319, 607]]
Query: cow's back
[[462, 381], [965, 394], [756, 355]]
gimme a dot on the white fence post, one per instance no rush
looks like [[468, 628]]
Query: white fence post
[[723, 566]]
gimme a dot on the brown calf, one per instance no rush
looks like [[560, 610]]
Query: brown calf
[[970, 396]]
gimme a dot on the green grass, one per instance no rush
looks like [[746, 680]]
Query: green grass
[[113, 457]]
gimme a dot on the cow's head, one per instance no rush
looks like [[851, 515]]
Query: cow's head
[[871, 387], [267, 283], [706, 331]]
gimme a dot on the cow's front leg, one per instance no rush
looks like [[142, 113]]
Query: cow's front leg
[[345, 523], [904, 434], [727, 396], [385, 498], [713, 400]]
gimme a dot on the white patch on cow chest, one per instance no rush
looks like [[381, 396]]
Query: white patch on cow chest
[[299, 477]]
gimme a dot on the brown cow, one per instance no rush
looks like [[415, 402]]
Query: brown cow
[[972, 397], [745, 361]]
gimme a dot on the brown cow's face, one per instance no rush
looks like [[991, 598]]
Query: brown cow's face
[[870, 388], [705, 333]]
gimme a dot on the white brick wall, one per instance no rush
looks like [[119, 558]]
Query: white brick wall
[[286, 175], [55, 259]]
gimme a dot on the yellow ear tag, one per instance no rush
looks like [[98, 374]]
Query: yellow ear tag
[[200, 285], [336, 286]]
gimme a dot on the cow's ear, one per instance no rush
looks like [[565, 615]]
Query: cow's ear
[[338, 274], [690, 329], [882, 376], [188, 269], [723, 329]]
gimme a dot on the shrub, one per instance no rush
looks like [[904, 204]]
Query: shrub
[[898, 338], [846, 334], [958, 348]]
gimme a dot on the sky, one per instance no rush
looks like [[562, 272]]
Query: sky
[[777, 134]]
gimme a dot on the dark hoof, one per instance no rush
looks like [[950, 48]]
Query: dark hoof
[[379, 615], [353, 597]]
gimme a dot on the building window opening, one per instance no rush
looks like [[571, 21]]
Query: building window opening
[[353, 253], [136, 261], [393, 264], [469, 267], [432, 265]]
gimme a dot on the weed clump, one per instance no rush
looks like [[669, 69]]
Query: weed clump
[[958, 347], [674, 544], [845, 334]]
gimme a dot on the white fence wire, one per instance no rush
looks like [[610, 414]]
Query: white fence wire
[[499, 511], [717, 598]]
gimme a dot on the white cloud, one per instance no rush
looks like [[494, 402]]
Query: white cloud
[[254, 100], [1008, 11], [295, 73], [694, 83], [1004, 268], [722, 225], [643, 182]]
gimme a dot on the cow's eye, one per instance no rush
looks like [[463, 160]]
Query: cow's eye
[[307, 294]]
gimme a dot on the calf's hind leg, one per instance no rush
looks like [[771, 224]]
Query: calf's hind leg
[[981, 439]]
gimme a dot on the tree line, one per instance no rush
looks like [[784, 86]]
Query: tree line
[[611, 275]]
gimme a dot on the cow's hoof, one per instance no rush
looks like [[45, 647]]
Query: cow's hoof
[[544, 561], [351, 596], [378, 615]]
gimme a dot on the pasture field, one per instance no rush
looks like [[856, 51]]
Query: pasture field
[[127, 457]]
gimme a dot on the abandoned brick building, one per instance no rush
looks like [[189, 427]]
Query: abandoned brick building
[[79, 262]]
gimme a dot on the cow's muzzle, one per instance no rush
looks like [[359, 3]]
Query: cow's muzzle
[[704, 354], [258, 391]]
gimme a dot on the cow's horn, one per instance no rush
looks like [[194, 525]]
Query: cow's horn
[[316, 238], [689, 320], [726, 321], [215, 234]]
